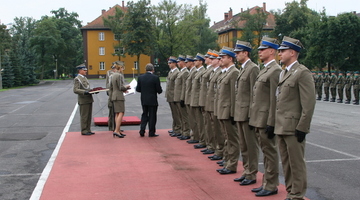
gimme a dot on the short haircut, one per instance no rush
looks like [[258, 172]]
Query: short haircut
[[149, 67]]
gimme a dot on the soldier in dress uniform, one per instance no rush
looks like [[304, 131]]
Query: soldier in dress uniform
[[169, 94], [215, 132], [319, 84], [315, 77], [262, 115], [295, 106], [179, 96], [209, 134], [356, 87], [194, 135], [326, 81], [340, 86], [333, 82], [249, 143], [225, 113], [348, 84], [85, 100], [194, 103]]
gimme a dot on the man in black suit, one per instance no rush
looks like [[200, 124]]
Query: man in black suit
[[149, 86]]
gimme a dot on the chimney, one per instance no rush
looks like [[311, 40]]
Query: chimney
[[226, 16], [264, 6], [354, 12], [242, 10], [123, 4], [103, 11], [230, 13]]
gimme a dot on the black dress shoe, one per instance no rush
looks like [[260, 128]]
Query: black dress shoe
[[185, 138], [227, 171], [170, 131], [203, 150], [239, 179], [155, 135], [192, 141], [257, 189], [92, 133], [215, 157], [199, 146], [142, 133], [220, 162], [88, 133], [264, 193], [287, 199], [218, 170], [208, 152], [175, 134], [247, 182]]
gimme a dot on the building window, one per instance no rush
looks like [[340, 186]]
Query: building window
[[102, 51], [119, 51], [102, 65], [101, 36]]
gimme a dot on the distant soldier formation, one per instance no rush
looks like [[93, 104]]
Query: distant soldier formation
[[335, 84], [233, 112]]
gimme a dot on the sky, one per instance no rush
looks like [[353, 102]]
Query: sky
[[91, 9]]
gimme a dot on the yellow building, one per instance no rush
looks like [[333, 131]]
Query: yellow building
[[230, 28], [99, 48]]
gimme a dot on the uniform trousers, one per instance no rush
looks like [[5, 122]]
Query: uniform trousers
[[191, 114], [209, 131], [218, 136], [176, 127], [85, 117], [333, 93], [249, 145], [293, 162], [341, 92], [199, 129], [184, 120], [356, 93], [231, 144], [348, 92], [319, 91], [269, 148], [326, 91]]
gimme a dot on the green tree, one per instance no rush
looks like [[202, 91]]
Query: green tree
[[138, 30], [253, 30], [116, 24], [5, 44], [46, 41], [22, 55], [7, 73]]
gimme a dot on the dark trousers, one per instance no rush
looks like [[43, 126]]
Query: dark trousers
[[148, 116]]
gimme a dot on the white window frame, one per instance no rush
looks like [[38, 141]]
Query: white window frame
[[102, 65], [101, 36], [101, 51]]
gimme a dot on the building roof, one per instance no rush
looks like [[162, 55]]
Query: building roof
[[227, 23], [98, 23]]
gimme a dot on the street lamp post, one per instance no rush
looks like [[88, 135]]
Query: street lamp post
[[1, 86], [56, 68]]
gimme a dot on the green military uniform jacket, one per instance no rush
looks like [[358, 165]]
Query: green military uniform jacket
[[226, 93], [189, 85], [262, 109], [204, 81], [245, 84], [295, 101], [195, 90], [81, 85], [170, 85], [179, 89]]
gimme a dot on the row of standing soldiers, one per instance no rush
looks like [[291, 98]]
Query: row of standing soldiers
[[332, 83]]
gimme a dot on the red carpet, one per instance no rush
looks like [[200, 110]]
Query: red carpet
[[127, 120], [101, 167]]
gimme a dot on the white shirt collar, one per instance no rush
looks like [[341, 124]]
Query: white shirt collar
[[273, 60], [199, 68], [289, 67], [245, 63]]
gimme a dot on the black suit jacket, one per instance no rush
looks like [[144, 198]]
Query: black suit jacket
[[149, 86]]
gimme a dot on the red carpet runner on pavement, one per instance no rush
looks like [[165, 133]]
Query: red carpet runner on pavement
[[100, 167]]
